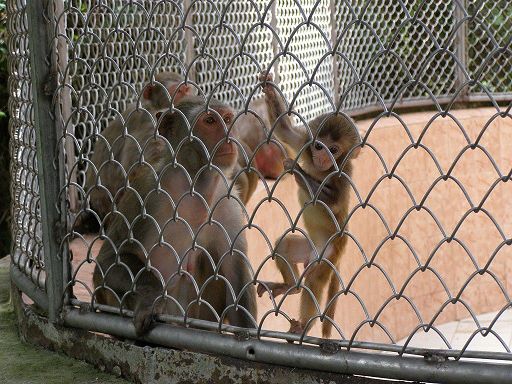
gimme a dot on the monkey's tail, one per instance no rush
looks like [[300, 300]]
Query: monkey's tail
[[333, 288]]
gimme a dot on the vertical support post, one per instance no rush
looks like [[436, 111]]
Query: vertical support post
[[334, 35], [65, 108], [460, 47], [275, 46], [43, 57], [190, 52]]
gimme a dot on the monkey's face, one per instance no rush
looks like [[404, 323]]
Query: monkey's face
[[324, 152], [212, 130]]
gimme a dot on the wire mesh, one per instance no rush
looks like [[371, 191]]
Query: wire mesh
[[113, 48], [427, 241], [26, 222], [489, 37], [404, 55], [229, 46]]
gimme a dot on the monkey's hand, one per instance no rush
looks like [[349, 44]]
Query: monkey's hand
[[328, 193], [288, 164], [266, 77], [304, 181], [143, 319]]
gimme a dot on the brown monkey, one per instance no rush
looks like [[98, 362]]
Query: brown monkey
[[176, 228], [323, 179], [246, 181], [267, 158], [120, 144]]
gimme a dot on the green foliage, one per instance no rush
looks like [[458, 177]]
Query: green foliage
[[5, 201]]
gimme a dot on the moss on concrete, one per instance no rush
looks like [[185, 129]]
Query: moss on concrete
[[26, 364]]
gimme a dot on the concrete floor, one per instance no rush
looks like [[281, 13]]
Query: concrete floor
[[459, 333]]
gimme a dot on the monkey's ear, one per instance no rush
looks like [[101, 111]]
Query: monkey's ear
[[148, 91], [184, 89]]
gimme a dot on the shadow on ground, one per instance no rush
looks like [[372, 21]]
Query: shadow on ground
[[26, 364]]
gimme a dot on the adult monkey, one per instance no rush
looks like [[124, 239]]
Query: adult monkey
[[173, 232], [324, 192], [119, 146], [246, 181]]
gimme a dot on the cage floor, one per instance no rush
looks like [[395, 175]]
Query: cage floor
[[457, 333]]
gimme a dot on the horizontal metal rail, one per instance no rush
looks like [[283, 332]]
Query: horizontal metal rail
[[317, 341], [24, 265], [431, 369], [28, 287]]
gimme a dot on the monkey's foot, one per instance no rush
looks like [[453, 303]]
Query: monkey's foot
[[265, 76], [275, 289], [295, 327]]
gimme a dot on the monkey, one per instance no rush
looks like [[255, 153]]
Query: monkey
[[246, 182], [176, 228], [267, 158], [324, 187], [118, 147]]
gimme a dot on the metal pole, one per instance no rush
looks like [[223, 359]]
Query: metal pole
[[275, 46], [43, 58], [28, 287], [334, 35], [190, 50], [460, 48], [298, 356]]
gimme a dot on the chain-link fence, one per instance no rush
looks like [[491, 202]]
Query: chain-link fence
[[153, 218], [26, 224]]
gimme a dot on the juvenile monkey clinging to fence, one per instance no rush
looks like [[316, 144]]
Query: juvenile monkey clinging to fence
[[184, 230], [333, 139], [116, 152]]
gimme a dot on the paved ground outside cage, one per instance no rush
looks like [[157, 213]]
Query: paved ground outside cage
[[458, 332], [20, 363]]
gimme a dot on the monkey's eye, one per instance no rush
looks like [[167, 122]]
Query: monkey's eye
[[318, 146], [333, 150], [209, 120], [227, 119]]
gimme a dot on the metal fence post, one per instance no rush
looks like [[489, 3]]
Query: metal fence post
[[460, 48], [190, 49], [275, 46], [334, 36], [43, 57]]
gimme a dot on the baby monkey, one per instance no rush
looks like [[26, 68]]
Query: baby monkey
[[324, 191]]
